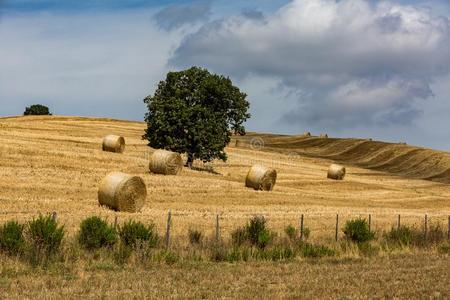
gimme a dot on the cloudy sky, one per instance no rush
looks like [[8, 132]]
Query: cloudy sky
[[350, 68]]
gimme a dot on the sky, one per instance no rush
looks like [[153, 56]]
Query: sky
[[349, 68]]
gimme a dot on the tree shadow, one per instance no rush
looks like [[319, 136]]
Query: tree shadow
[[205, 169]]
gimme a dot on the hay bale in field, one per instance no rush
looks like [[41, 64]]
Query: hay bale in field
[[166, 162], [307, 134], [336, 172], [113, 143], [261, 178], [122, 192], [323, 136]]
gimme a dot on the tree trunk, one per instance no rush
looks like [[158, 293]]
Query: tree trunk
[[190, 160]]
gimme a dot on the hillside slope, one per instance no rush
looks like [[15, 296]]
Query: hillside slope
[[56, 163], [401, 159]]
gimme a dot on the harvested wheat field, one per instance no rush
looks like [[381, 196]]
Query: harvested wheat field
[[56, 164]]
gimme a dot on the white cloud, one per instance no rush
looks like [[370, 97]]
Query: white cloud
[[353, 63]]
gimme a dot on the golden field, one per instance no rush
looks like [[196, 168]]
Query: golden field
[[56, 164]]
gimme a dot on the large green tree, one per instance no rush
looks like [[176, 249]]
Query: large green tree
[[195, 112], [36, 109]]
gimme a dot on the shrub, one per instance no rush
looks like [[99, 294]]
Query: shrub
[[291, 232], [255, 232], [445, 248], [96, 233], [357, 230], [402, 235], [45, 235], [195, 236], [315, 251], [239, 236], [435, 234], [11, 238], [36, 109], [134, 233]]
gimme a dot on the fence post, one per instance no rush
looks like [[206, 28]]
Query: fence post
[[301, 227], [398, 222], [337, 227], [370, 222], [425, 227], [169, 221], [448, 232], [217, 229], [115, 222]]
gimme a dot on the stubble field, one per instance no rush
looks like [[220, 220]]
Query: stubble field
[[55, 163]]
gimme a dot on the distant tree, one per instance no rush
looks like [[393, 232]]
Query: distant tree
[[195, 112], [36, 109]]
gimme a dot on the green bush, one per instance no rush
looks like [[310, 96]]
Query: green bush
[[291, 232], [45, 235], [315, 251], [255, 232], [402, 235], [239, 236], [195, 236], [11, 238], [134, 233], [96, 233], [36, 109], [445, 248], [357, 230]]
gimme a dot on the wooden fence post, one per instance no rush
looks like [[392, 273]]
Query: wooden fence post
[[301, 227], [370, 222], [169, 221], [398, 222], [337, 227], [115, 222], [448, 232], [217, 229], [425, 227]]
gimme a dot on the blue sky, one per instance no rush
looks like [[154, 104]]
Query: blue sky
[[351, 68]]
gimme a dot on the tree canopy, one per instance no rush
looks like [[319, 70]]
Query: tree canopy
[[195, 112], [36, 109]]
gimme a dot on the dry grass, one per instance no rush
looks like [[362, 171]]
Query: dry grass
[[56, 164], [408, 276]]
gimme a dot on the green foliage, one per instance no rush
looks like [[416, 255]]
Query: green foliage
[[96, 233], [291, 232], [134, 234], [239, 236], [195, 112], [357, 230], [255, 232], [195, 236], [43, 240], [11, 238], [45, 235], [445, 248], [315, 251], [36, 109], [402, 235], [435, 234]]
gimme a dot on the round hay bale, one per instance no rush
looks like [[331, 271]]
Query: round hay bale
[[113, 143], [122, 192], [324, 136], [261, 178], [165, 162], [336, 172], [307, 134]]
